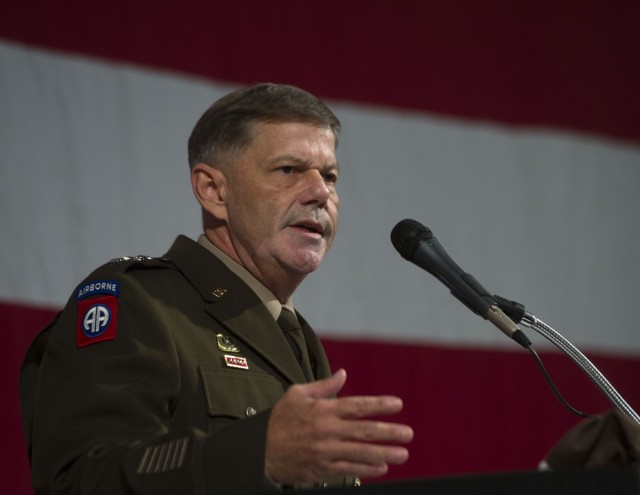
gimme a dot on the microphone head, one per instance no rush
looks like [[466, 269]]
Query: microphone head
[[407, 235]]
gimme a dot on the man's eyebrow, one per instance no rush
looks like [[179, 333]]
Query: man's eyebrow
[[301, 161], [289, 158]]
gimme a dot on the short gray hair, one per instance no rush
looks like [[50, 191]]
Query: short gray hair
[[225, 128]]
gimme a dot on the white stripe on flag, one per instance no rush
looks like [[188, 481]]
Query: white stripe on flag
[[95, 167]]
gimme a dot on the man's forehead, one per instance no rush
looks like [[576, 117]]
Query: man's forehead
[[291, 134]]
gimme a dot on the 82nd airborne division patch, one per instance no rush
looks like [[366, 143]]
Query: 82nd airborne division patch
[[97, 315]]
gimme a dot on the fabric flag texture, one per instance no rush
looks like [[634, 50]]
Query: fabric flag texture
[[512, 133]]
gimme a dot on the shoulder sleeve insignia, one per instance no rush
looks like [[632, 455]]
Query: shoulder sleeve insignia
[[97, 315]]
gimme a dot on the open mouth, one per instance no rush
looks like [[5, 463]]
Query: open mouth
[[313, 228]]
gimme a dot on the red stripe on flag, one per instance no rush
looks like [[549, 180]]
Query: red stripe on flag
[[19, 324], [569, 64], [478, 410]]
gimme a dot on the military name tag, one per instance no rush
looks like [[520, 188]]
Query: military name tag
[[236, 362]]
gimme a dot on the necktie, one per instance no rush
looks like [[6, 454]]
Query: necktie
[[290, 326]]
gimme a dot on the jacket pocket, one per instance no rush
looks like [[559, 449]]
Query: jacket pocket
[[238, 394]]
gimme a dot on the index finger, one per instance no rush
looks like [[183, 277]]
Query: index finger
[[363, 406]]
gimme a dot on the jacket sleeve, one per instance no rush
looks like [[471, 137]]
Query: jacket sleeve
[[98, 418]]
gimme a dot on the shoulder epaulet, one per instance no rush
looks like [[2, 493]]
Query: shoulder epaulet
[[139, 257], [127, 263], [97, 297]]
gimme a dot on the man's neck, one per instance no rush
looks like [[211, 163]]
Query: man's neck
[[273, 303], [281, 284]]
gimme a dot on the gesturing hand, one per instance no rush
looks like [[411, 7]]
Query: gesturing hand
[[312, 436]]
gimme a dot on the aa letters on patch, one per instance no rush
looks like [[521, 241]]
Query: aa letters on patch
[[96, 320]]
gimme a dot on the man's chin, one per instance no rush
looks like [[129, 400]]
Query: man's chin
[[305, 263]]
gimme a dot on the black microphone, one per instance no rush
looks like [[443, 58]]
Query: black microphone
[[416, 243]]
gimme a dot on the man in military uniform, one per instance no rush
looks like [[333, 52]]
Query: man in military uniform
[[193, 373]]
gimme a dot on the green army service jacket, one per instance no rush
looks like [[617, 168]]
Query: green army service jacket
[[158, 377]]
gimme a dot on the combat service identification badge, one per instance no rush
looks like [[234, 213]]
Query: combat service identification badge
[[97, 315], [226, 343]]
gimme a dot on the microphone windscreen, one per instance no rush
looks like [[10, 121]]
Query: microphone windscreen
[[407, 235]]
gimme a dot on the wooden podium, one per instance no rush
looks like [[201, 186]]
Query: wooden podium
[[605, 481]]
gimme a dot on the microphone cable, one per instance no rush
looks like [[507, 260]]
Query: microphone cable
[[554, 389]]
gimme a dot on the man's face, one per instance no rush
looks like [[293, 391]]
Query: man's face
[[282, 205]]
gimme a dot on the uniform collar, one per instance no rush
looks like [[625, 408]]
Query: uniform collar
[[265, 295], [231, 302]]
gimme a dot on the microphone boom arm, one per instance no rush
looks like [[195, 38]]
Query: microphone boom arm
[[417, 244], [582, 361]]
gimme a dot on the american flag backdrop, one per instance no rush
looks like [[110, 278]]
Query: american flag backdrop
[[511, 129]]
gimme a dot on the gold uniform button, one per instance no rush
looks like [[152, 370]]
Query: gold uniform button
[[250, 411]]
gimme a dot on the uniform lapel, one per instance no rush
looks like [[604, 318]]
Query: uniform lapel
[[228, 300], [258, 330]]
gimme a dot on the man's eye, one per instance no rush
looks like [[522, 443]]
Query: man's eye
[[331, 178]]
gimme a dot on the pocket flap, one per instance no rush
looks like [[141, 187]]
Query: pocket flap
[[233, 393]]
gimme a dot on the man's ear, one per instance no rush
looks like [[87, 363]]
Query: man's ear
[[210, 188]]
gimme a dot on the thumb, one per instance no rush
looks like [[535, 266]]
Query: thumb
[[327, 387]]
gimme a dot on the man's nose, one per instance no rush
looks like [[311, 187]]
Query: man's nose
[[316, 189]]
